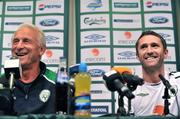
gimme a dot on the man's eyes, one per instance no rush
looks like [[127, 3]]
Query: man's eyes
[[143, 46], [154, 45], [25, 40]]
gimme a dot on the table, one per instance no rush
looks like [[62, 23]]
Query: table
[[53, 116]]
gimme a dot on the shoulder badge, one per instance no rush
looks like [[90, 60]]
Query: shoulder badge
[[44, 95]]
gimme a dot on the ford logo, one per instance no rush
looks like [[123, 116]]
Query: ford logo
[[49, 22], [96, 72], [158, 20]]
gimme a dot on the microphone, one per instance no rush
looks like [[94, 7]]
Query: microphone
[[12, 70], [127, 77], [113, 83], [167, 84], [122, 70]]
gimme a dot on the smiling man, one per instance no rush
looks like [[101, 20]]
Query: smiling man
[[34, 91], [151, 51]]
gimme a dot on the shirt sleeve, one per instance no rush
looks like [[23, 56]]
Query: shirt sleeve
[[175, 82]]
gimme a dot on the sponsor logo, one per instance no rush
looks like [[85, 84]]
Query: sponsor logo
[[49, 22], [127, 34], [96, 21], [51, 39], [150, 4], [49, 53], [49, 59], [13, 23], [100, 59], [96, 72], [8, 56], [125, 5], [95, 52], [94, 38], [99, 109], [126, 42], [95, 4], [19, 8], [127, 55], [43, 6], [124, 20], [96, 91], [165, 36], [158, 20]]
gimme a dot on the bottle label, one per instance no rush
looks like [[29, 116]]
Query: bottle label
[[82, 102], [82, 105], [62, 77]]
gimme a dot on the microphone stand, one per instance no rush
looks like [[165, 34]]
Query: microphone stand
[[11, 80], [121, 110], [166, 102], [129, 108]]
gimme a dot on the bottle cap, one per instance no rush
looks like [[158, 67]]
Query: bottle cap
[[83, 67], [62, 69]]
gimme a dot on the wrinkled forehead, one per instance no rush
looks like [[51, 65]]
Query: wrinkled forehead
[[26, 33], [26, 30]]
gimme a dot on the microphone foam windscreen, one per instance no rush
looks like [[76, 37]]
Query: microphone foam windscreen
[[123, 70]]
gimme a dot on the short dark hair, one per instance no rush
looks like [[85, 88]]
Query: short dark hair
[[151, 33]]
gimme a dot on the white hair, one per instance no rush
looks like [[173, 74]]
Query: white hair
[[41, 36]]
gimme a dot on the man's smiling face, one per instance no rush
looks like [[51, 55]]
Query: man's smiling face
[[151, 52], [26, 46]]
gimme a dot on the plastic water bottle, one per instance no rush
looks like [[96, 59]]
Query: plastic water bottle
[[82, 92], [62, 75]]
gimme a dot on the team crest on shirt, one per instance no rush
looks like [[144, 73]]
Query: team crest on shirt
[[44, 95]]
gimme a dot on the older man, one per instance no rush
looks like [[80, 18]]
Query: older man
[[34, 91]]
